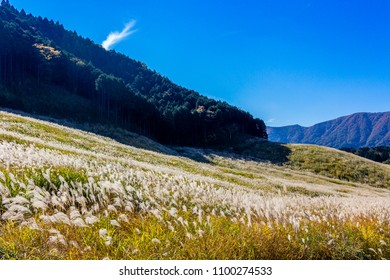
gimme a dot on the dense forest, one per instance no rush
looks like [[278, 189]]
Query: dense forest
[[378, 154], [47, 70]]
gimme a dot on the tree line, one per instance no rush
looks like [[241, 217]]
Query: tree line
[[378, 154]]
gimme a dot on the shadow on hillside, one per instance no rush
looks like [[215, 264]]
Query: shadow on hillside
[[196, 154], [262, 150], [255, 149]]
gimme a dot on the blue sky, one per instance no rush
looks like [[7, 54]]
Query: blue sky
[[286, 62]]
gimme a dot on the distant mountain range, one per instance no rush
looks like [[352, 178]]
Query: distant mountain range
[[354, 131]]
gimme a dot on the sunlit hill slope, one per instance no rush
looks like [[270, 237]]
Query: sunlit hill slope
[[69, 194]]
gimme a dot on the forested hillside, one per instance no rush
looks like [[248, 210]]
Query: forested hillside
[[47, 70], [378, 154]]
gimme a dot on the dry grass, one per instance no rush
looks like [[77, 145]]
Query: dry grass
[[146, 238], [67, 194]]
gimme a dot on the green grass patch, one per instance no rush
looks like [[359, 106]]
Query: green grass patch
[[339, 165]]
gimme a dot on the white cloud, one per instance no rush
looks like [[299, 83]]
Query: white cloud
[[270, 121], [115, 37]]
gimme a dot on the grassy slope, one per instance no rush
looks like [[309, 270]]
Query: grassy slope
[[340, 165], [70, 194]]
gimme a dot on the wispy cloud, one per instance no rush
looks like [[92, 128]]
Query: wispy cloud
[[270, 121], [115, 37]]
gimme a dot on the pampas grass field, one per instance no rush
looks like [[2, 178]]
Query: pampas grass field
[[70, 194]]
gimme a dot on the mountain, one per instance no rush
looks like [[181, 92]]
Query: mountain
[[353, 131], [48, 70]]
